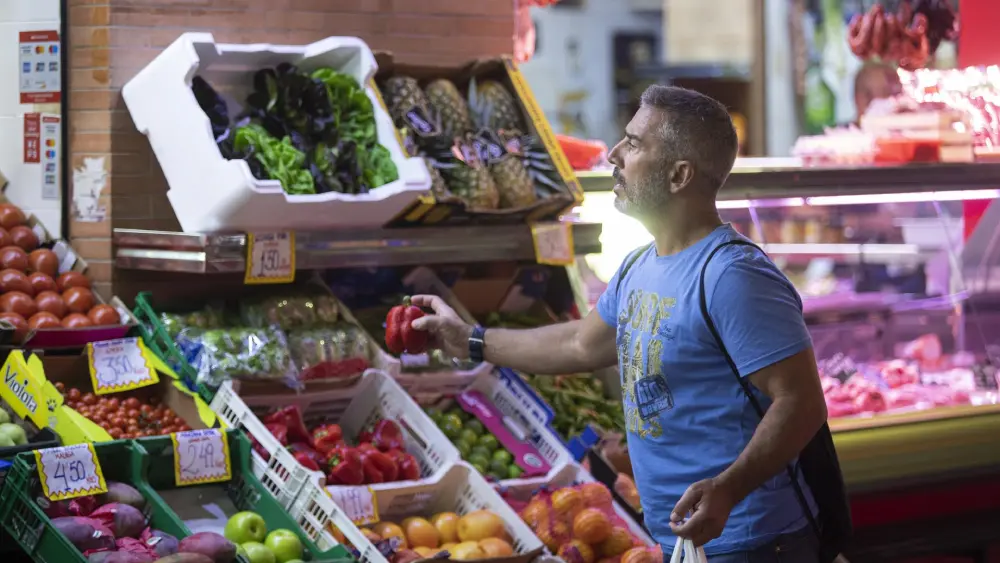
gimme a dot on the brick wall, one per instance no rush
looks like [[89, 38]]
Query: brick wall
[[110, 40]]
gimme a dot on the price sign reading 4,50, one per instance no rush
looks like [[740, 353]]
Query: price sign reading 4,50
[[553, 243], [270, 258], [70, 472], [119, 365], [201, 456]]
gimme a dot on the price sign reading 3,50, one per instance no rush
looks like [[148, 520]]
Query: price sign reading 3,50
[[201, 456], [119, 365], [69, 472], [270, 258]]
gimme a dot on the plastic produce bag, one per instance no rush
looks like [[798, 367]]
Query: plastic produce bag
[[338, 351], [210, 317], [290, 312], [238, 353]]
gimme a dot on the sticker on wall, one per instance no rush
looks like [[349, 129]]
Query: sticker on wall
[[39, 67], [32, 138], [89, 181], [50, 135]]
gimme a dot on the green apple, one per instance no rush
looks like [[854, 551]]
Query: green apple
[[6, 442], [258, 552], [245, 527], [4, 416], [14, 432], [285, 545], [242, 552]]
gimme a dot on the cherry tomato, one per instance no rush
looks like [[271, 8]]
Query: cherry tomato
[[149, 432], [132, 414], [146, 409], [89, 399], [60, 386], [184, 428], [115, 433], [97, 417], [114, 403], [169, 413], [132, 403], [74, 394]]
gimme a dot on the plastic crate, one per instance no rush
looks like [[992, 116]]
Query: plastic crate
[[375, 396], [210, 193], [26, 524], [155, 336], [568, 475], [244, 490], [461, 489]]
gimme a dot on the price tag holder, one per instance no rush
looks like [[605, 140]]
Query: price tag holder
[[553, 243], [359, 503], [201, 456], [70, 472], [270, 258], [120, 365]]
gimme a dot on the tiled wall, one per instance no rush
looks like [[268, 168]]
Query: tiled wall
[[25, 187], [111, 40]]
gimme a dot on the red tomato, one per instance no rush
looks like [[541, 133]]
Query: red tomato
[[41, 282], [104, 315], [44, 320], [51, 302], [18, 302], [78, 299], [72, 279], [13, 257], [15, 280], [20, 325], [76, 320], [43, 260], [11, 216]]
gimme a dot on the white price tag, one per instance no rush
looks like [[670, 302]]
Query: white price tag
[[120, 365], [358, 503], [270, 258], [201, 456], [70, 472], [553, 243]]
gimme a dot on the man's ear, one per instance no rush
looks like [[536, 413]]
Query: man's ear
[[681, 175]]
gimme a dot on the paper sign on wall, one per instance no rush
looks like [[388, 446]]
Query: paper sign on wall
[[40, 81], [32, 138], [50, 136]]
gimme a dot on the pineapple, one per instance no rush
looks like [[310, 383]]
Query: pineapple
[[403, 93], [494, 108], [474, 185]]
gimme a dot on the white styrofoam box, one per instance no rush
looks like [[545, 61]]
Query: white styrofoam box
[[460, 490], [567, 475], [429, 386], [522, 414], [208, 192], [374, 397]]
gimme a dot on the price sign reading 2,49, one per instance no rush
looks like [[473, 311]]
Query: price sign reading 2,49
[[201, 456], [70, 472]]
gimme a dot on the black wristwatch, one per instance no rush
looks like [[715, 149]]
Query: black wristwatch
[[477, 344]]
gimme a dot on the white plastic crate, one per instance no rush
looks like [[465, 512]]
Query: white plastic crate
[[461, 490], [568, 475], [208, 192], [375, 396]]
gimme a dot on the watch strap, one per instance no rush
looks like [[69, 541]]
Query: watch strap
[[477, 344]]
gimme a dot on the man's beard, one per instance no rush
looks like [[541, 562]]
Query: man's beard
[[643, 197]]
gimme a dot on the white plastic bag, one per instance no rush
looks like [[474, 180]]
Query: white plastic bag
[[686, 549]]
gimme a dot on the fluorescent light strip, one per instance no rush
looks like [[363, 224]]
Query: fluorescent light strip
[[842, 249], [867, 199]]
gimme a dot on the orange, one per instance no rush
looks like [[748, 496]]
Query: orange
[[576, 552], [640, 555], [388, 530], [618, 542], [553, 535], [535, 514], [447, 525], [478, 525], [421, 533], [591, 526], [596, 495], [496, 547], [567, 502]]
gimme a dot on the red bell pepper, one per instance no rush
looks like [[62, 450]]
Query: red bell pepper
[[345, 467], [409, 467], [365, 437], [306, 461], [400, 336], [388, 436], [303, 451], [291, 417], [279, 431], [327, 437], [378, 464]]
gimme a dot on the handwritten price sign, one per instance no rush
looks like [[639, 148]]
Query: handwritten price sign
[[553, 243], [120, 365], [70, 472], [270, 258], [358, 503], [201, 456]]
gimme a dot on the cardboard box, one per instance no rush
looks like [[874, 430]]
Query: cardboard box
[[429, 210]]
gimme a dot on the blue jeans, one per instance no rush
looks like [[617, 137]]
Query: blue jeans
[[795, 547]]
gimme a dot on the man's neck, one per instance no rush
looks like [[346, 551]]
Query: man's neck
[[676, 231]]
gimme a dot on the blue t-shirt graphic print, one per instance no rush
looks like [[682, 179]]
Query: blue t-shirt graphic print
[[686, 417]]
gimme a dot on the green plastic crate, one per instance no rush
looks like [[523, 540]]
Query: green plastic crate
[[28, 526], [155, 335], [244, 490]]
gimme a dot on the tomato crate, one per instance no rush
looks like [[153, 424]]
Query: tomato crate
[[21, 502], [373, 397], [207, 507], [461, 490]]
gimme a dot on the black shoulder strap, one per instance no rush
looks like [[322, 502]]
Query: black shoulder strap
[[703, 302], [629, 262]]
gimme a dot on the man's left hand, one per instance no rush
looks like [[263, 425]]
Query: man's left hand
[[709, 503]]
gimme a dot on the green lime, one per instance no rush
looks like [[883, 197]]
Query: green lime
[[463, 448], [479, 450], [514, 472], [488, 441], [481, 468], [452, 430], [503, 456], [453, 419], [499, 476], [475, 426], [476, 459], [498, 467], [469, 436]]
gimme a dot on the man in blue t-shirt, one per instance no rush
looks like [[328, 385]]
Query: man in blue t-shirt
[[706, 466]]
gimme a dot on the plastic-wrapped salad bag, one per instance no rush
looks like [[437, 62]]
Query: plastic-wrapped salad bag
[[238, 353], [290, 312], [338, 351]]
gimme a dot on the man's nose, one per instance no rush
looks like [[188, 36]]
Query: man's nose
[[613, 155]]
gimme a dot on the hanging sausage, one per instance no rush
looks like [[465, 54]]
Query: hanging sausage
[[909, 37]]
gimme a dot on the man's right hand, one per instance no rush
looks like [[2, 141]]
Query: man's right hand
[[448, 332]]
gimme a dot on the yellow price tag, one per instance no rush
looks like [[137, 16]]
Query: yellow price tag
[[270, 258], [22, 391], [70, 472], [201, 456], [553, 243], [120, 365], [358, 503]]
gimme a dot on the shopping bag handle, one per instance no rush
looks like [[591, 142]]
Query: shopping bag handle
[[686, 549]]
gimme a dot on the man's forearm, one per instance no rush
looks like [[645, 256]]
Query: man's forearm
[[787, 426], [545, 350]]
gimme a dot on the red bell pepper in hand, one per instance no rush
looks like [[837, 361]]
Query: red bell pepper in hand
[[388, 436], [400, 336], [328, 437], [279, 431], [378, 464], [291, 417], [345, 467], [409, 467]]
